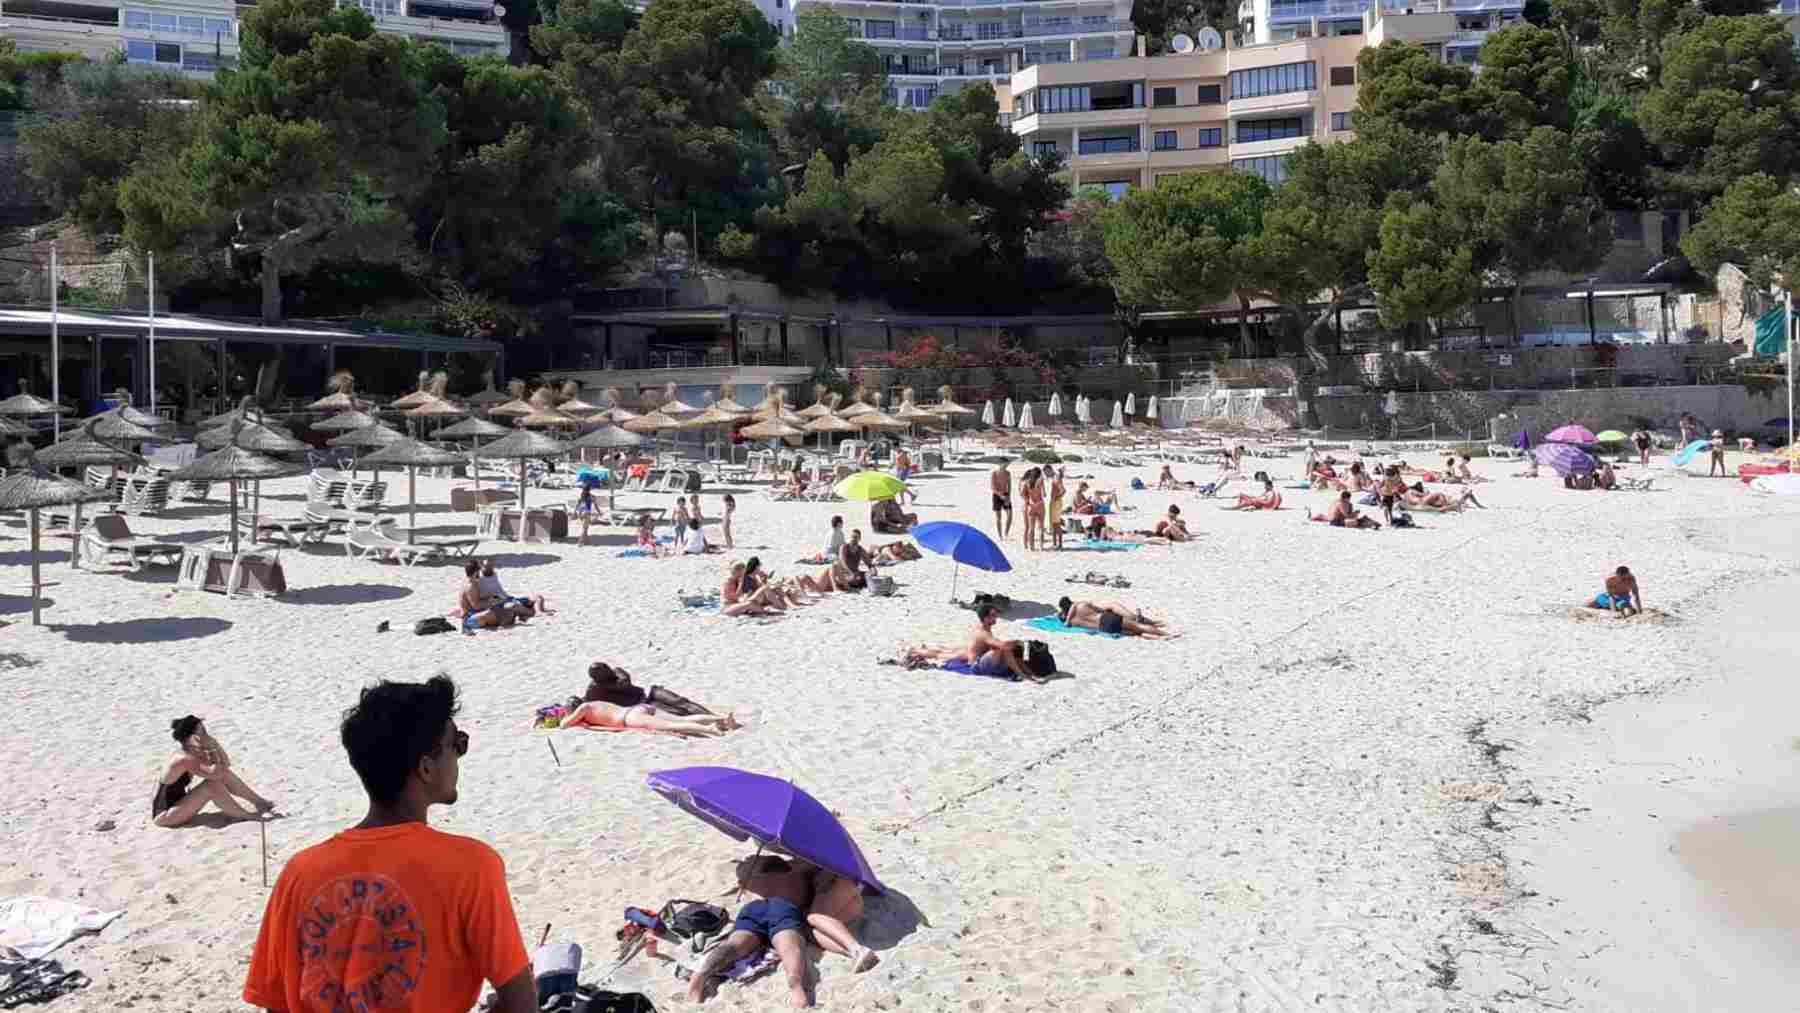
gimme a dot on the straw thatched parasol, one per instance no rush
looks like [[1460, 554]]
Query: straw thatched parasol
[[233, 464], [487, 395], [607, 438], [413, 455], [672, 405], [132, 415], [436, 408], [771, 429], [654, 422], [31, 491], [10, 428], [523, 445], [472, 429], [828, 423], [27, 403], [725, 403], [345, 421], [342, 397], [417, 397], [79, 450], [251, 436], [113, 425], [858, 406], [368, 436], [516, 404], [544, 415], [878, 420]]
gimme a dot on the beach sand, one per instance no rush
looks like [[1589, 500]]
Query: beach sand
[[1284, 809]]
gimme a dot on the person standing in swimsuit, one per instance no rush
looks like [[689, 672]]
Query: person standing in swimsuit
[[1053, 514], [1000, 484], [1641, 440], [776, 918], [1717, 449], [1031, 492]]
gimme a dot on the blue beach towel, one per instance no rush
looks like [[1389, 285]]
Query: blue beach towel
[[631, 553], [962, 667], [1099, 546], [1051, 624]]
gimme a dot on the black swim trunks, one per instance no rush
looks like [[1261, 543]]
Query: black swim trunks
[[1002, 503], [1112, 622], [768, 918], [1388, 501]]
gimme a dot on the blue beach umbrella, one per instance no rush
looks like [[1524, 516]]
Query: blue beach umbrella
[[963, 544]]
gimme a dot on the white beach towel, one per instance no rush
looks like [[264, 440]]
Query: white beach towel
[[37, 926]]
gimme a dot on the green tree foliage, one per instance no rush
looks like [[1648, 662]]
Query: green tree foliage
[[1073, 242], [1525, 80], [22, 74], [675, 107], [1161, 20], [1609, 141], [1402, 84], [1756, 224], [830, 89], [1727, 105], [103, 119], [1190, 242], [1521, 206], [1421, 267]]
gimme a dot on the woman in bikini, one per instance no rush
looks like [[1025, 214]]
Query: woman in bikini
[[474, 608], [1053, 514], [1269, 500], [178, 800], [740, 596], [598, 714], [1419, 499], [646, 536], [1031, 493], [836, 905]]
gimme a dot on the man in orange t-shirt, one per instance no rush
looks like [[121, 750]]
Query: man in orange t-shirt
[[391, 914]]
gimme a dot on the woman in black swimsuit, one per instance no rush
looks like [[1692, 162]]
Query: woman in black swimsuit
[[178, 800]]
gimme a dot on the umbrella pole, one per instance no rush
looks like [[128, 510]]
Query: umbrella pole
[[234, 509], [519, 533], [37, 617], [75, 547], [955, 569], [412, 502]]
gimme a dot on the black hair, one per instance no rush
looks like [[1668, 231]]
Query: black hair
[[1268, 483], [1174, 511], [472, 568], [751, 565], [1063, 605], [1344, 495], [837, 521], [1623, 571], [730, 499], [392, 726], [985, 611], [183, 728]]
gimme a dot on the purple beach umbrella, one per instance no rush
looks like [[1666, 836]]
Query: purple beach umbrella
[[1570, 434], [774, 812], [1566, 460]]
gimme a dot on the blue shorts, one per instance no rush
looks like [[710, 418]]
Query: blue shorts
[[1607, 600], [769, 918], [472, 623]]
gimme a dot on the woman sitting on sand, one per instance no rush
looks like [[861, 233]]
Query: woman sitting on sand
[[492, 593], [603, 716], [1464, 473], [1168, 481], [646, 536], [886, 518], [741, 596], [836, 905], [1344, 515], [1269, 500], [1094, 503], [1606, 478], [175, 802], [1360, 480], [1172, 527], [473, 607]]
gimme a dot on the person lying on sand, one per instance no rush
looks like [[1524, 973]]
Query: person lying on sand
[[1621, 595], [783, 891], [174, 802], [1269, 500], [836, 906], [598, 714], [613, 685], [1109, 617], [1344, 515], [985, 653], [1167, 480], [897, 552], [492, 593], [1418, 499]]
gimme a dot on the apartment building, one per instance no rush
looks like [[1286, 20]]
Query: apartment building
[[937, 48], [1129, 123], [197, 37]]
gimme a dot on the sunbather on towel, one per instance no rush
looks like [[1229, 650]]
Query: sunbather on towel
[[776, 918], [1419, 499], [897, 552], [646, 537], [494, 594], [598, 714], [984, 653], [1344, 515], [613, 685], [1109, 617], [742, 594], [1269, 500], [1172, 527]]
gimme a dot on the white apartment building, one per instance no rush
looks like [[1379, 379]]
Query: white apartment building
[[938, 47], [196, 37], [1123, 123]]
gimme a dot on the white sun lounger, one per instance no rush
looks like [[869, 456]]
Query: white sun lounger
[[109, 535]]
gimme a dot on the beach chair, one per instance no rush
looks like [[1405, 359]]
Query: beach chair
[[110, 535], [375, 543], [674, 480], [144, 495], [364, 495], [292, 530], [325, 486], [1638, 484]]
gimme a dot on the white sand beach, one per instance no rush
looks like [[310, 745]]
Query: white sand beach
[[1301, 803]]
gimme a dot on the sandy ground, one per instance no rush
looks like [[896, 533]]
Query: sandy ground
[[1285, 809]]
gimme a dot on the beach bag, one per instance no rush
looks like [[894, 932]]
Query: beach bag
[[688, 919], [999, 601], [881, 587], [436, 624], [1403, 520], [557, 965], [1038, 659], [1137, 483], [603, 1001]]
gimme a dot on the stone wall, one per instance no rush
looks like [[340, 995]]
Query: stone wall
[[1489, 369], [1485, 415]]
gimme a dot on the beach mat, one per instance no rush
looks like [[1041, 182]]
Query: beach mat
[[962, 667], [1093, 545], [1051, 624]]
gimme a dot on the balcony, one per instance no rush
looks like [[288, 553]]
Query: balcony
[[1189, 158], [1288, 101], [1280, 13], [1001, 33], [33, 33], [897, 33]]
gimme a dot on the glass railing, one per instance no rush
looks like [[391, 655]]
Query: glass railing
[[1318, 9], [1110, 146]]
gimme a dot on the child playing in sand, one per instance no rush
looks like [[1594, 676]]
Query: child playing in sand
[[1621, 595]]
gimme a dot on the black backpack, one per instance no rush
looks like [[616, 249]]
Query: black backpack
[[435, 624], [1038, 659]]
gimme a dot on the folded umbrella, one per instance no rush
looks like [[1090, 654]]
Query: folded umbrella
[[776, 813]]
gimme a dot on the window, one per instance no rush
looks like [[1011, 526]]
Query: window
[[1269, 130], [1627, 227], [1109, 145], [1343, 76], [165, 23], [140, 52], [168, 52], [880, 29], [1342, 121], [379, 8], [1115, 190], [1209, 94], [218, 26], [1068, 99], [1162, 96], [1273, 80], [1094, 20], [990, 29], [779, 4], [192, 25], [1272, 168], [1212, 137], [1043, 147], [1166, 140], [137, 19]]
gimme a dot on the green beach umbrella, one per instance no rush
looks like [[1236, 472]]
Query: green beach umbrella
[[869, 485], [1612, 436]]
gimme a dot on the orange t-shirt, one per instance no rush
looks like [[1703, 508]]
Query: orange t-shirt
[[395, 918]]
